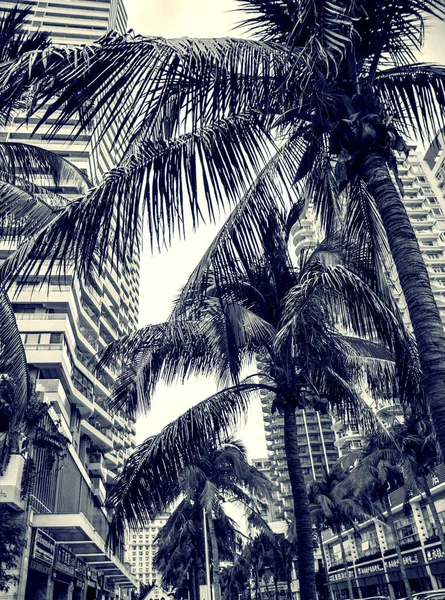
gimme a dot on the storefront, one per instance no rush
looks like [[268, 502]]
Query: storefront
[[372, 580], [339, 583], [415, 571], [436, 560], [108, 588], [63, 573], [79, 579], [40, 565], [92, 580]]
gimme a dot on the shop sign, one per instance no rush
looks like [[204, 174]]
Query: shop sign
[[92, 575], [370, 569], [65, 561], [409, 560], [81, 569], [44, 547], [433, 554], [35, 565], [108, 585], [340, 575]]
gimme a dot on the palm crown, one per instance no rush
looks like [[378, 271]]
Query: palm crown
[[328, 85]]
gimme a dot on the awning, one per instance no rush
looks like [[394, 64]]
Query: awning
[[372, 580], [75, 531], [438, 567]]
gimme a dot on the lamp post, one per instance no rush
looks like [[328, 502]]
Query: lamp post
[[206, 550]]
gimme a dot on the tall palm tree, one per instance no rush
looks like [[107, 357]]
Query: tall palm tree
[[289, 317], [219, 473], [378, 472], [320, 100], [335, 505], [179, 556]]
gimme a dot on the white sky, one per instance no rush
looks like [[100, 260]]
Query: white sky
[[163, 275]]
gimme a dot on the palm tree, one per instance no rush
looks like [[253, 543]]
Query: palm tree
[[289, 317], [335, 506], [235, 579], [179, 556], [219, 473], [378, 472], [333, 84]]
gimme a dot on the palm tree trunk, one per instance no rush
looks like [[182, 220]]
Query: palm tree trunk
[[432, 507], [416, 286], [258, 594], [215, 557], [277, 593], [194, 584], [392, 526], [303, 523], [289, 590], [325, 566], [345, 562]]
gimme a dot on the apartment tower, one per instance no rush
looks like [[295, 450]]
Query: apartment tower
[[63, 326], [141, 548]]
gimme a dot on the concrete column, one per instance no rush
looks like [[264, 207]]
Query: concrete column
[[24, 565], [50, 588], [421, 528], [383, 546]]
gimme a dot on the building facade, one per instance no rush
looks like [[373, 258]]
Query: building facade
[[372, 559], [318, 452], [64, 324], [141, 548]]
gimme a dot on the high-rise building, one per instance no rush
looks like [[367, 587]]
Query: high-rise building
[[71, 22], [371, 554], [63, 326], [317, 452], [141, 548]]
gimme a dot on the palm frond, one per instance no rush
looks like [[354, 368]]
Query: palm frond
[[254, 228], [21, 214], [26, 162], [415, 95], [217, 340], [162, 180], [16, 40], [160, 83], [15, 388], [151, 475]]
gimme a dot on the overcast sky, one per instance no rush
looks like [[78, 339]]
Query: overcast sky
[[163, 275]]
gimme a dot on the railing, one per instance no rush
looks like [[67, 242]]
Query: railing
[[41, 316], [44, 346]]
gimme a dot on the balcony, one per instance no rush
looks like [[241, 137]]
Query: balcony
[[55, 395], [96, 466], [11, 483], [111, 460], [348, 437], [97, 433], [99, 489], [101, 412], [118, 439]]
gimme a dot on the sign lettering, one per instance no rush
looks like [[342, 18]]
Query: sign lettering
[[370, 569], [44, 547]]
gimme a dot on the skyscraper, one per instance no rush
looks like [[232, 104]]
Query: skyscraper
[[141, 548], [317, 451], [63, 326]]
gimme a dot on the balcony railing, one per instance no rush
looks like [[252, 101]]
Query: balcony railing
[[41, 316]]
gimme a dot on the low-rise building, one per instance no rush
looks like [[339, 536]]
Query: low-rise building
[[372, 559]]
